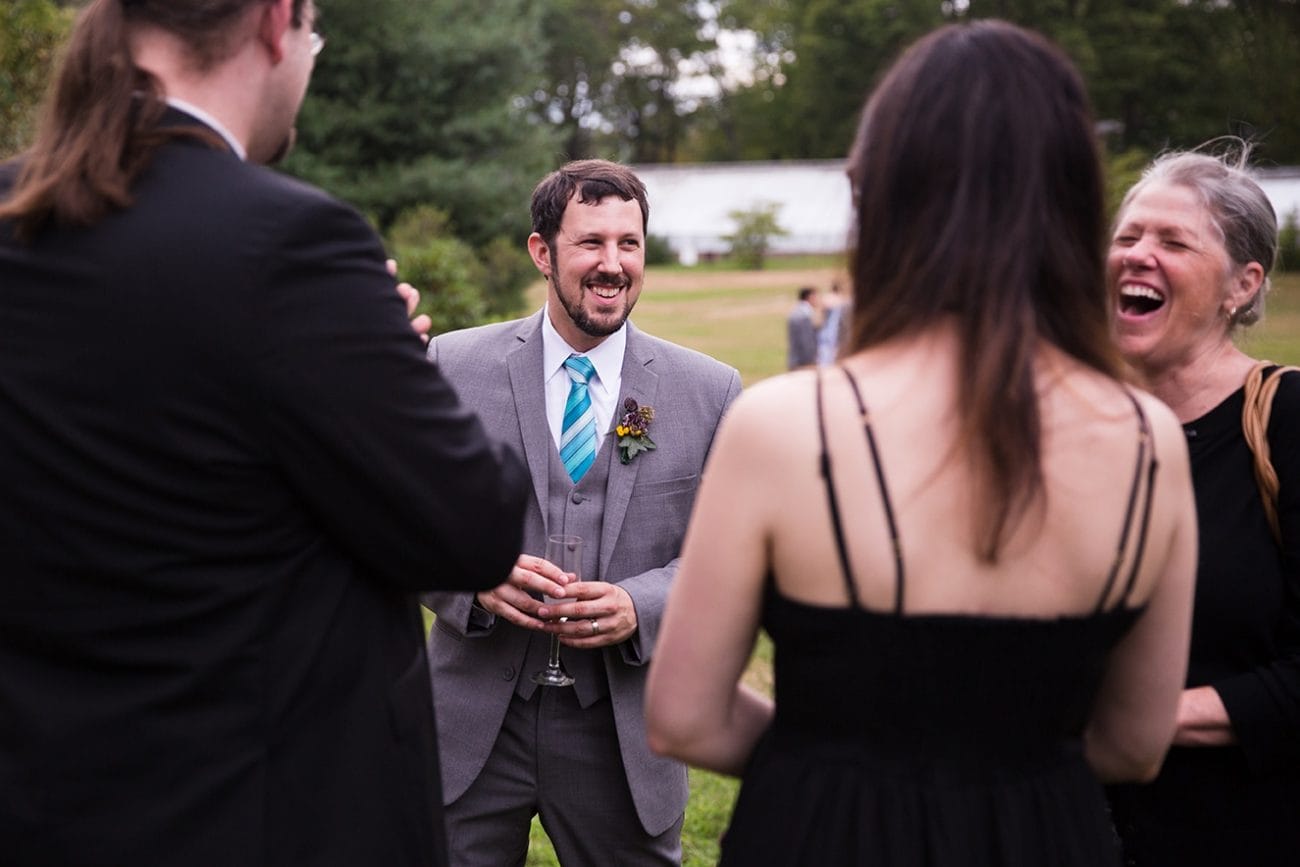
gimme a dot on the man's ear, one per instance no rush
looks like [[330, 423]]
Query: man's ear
[[540, 253], [274, 20]]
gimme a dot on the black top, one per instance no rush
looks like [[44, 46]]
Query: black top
[[935, 739], [1237, 804]]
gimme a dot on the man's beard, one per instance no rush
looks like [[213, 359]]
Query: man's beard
[[587, 325]]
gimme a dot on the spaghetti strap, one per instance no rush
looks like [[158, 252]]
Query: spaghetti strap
[[832, 501], [884, 495], [1143, 470]]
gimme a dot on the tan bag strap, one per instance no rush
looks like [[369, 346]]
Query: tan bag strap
[[1254, 425]]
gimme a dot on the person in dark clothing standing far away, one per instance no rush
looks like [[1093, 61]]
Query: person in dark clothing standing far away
[[222, 488], [977, 584], [801, 328]]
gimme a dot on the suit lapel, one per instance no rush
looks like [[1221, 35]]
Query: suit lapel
[[524, 362], [641, 384]]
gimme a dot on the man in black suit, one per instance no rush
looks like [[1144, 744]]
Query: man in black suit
[[225, 466]]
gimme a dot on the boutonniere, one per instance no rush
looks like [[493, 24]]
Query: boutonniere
[[633, 430]]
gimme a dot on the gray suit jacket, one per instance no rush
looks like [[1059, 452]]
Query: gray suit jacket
[[801, 336], [497, 371]]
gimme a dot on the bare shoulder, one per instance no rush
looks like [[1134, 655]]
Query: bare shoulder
[[768, 412], [1166, 430]]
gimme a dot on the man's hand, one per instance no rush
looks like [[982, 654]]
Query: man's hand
[[600, 614], [422, 323], [513, 601]]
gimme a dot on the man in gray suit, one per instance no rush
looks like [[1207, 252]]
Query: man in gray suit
[[576, 756], [801, 330]]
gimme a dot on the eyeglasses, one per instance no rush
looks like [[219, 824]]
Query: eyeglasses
[[317, 43]]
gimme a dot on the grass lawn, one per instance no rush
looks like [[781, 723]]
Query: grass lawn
[[739, 317]]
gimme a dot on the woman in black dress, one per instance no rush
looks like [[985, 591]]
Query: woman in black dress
[[977, 584], [1193, 244]]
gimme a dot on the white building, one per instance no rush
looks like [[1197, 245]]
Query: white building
[[690, 205]]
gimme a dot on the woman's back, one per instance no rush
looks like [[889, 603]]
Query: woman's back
[[1060, 553], [948, 699], [979, 591]]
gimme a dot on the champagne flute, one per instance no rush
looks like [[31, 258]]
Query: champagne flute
[[566, 553]]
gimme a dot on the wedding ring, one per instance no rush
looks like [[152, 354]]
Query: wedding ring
[[595, 627]]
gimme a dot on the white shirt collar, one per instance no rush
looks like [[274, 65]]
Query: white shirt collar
[[217, 127], [606, 357]]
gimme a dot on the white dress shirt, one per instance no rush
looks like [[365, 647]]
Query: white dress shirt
[[603, 387]]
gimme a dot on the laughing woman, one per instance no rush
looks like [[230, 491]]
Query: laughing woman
[[1189, 262]]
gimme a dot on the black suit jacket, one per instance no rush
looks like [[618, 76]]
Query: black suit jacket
[[224, 466]]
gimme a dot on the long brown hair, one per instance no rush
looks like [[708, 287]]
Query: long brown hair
[[98, 127], [980, 201]]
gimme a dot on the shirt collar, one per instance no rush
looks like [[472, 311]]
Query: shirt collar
[[199, 114], [606, 357]]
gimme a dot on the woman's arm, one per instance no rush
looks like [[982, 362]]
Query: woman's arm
[[1134, 714], [696, 708]]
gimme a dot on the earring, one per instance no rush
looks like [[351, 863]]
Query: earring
[[1232, 313]]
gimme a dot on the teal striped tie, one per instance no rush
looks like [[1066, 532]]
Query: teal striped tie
[[578, 433]]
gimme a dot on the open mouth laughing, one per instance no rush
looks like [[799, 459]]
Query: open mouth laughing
[[1137, 299]]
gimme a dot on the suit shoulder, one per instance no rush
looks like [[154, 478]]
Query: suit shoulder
[[480, 347], [222, 180], [698, 364], [493, 333]]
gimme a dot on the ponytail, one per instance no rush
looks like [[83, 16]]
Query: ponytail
[[96, 132]]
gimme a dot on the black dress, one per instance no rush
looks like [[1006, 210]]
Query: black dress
[[1238, 804], [938, 739]]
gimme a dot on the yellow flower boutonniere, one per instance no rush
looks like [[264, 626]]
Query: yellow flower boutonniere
[[633, 430]]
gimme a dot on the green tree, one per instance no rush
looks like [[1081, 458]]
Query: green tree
[[755, 229], [630, 78], [1288, 242], [30, 33], [417, 101], [815, 62], [441, 266]]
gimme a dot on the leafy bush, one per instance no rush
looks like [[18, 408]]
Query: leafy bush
[[507, 269], [440, 265], [755, 230], [1288, 242], [1122, 171], [448, 277], [658, 251]]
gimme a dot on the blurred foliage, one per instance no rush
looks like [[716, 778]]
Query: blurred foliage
[[1288, 242], [459, 286], [658, 251], [1162, 73], [30, 34], [416, 101], [752, 238]]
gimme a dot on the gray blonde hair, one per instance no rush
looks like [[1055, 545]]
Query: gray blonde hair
[[1218, 174]]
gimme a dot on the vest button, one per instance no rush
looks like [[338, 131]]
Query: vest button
[[578, 499], [507, 673]]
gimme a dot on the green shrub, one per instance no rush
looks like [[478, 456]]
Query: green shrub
[[755, 230], [658, 251], [507, 269], [1288, 242], [449, 278]]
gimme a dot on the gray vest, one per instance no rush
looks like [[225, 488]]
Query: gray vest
[[576, 510]]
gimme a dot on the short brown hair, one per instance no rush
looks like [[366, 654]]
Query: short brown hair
[[593, 181]]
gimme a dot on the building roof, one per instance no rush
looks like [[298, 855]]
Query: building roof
[[690, 204]]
